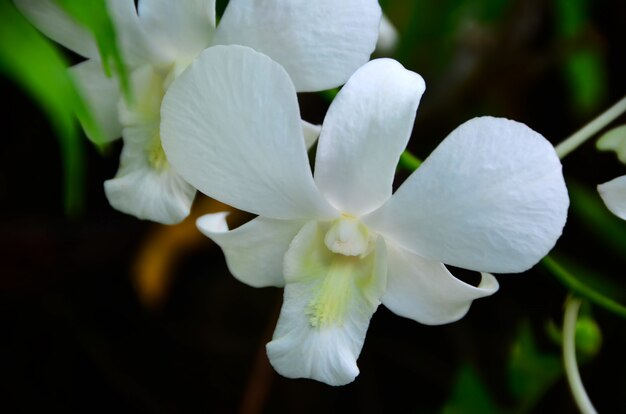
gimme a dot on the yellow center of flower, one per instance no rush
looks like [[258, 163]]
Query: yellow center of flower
[[341, 264], [329, 305], [155, 154]]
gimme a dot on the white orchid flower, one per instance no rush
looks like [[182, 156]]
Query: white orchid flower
[[490, 198], [320, 44]]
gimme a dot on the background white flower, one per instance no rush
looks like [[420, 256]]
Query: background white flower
[[320, 43], [490, 198], [613, 193], [387, 37], [614, 140]]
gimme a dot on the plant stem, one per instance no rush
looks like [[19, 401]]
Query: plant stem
[[582, 290], [572, 305], [592, 128]]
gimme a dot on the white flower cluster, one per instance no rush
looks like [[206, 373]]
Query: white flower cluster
[[216, 110]]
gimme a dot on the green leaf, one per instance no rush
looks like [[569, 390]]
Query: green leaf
[[584, 67], [470, 395], [94, 15], [409, 161], [531, 372], [329, 94], [585, 74], [32, 62], [572, 15]]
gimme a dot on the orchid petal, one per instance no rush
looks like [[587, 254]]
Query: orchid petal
[[328, 302], [102, 96], [52, 21], [182, 28], [145, 186], [490, 198], [425, 291], [148, 90], [366, 129], [254, 251], [55, 23], [311, 133], [387, 37], [613, 194], [231, 127], [320, 43], [136, 45]]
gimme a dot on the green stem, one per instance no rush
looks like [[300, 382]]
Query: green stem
[[409, 161], [592, 128], [582, 290], [569, 357]]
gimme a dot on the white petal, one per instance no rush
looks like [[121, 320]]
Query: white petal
[[366, 129], [490, 198], [387, 37], [311, 133], [614, 140], [231, 127], [148, 89], [48, 17], [136, 45], [182, 28], [102, 96], [426, 291], [140, 189], [326, 309], [320, 43], [613, 194], [254, 251]]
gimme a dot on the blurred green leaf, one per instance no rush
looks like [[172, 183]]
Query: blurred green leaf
[[571, 16], [482, 11], [94, 15], [470, 395], [329, 94], [409, 161], [584, 66], [531, 372], [433, 27], [585, 74], [554, 333], [492, 10], [32, 62]]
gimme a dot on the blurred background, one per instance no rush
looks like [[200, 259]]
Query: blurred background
[[102, 312]]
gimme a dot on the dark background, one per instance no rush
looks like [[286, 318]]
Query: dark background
[[80, 333]]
